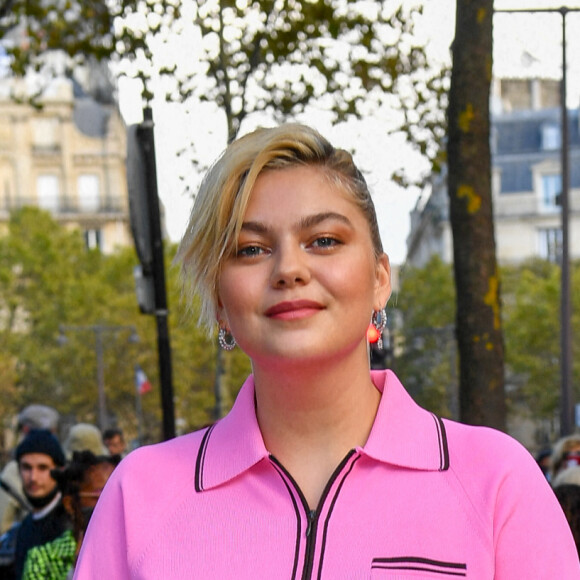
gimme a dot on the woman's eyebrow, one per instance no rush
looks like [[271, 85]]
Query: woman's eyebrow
[[256, 227], [303, 224], [315, 219]]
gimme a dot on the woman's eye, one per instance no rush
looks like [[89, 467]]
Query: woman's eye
[[250, 251], [325, 242]]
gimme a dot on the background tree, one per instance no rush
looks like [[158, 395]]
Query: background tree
[[479, 332], [110, 32], [424, 345], [194, 362], [347, 56], [49, 278], [532, 331], [425, 357]]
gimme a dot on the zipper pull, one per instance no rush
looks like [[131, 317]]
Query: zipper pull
[[311, 516]]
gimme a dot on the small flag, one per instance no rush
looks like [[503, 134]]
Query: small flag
[[141, 381]]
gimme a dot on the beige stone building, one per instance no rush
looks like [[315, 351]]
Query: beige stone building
[[68, 158]]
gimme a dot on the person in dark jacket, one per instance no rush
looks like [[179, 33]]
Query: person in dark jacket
[[37, 455]]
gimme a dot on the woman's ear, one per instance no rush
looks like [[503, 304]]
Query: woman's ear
[[219, 309], [383, 282]]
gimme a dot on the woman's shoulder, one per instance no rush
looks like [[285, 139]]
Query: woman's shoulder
[[492, 455], [171, 449], [173, 460], [480, 442]]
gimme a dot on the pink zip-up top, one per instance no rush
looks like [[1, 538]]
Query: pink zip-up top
[[425, 498]]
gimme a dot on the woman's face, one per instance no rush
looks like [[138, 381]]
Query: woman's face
[[304, 281]]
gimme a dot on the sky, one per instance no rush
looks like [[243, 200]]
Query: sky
[[376, 153]]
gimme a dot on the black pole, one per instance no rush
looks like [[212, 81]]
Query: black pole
[[567, 406], [158, 271]]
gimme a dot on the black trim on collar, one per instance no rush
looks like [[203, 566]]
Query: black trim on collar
[[443, 446], [199, 463]]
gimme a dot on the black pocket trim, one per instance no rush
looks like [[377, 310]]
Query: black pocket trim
[[421, 564]]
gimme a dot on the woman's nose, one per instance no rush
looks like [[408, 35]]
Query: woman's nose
[[290, 266]]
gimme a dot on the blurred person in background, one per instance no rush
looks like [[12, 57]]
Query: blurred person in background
[[114, 441], [565, 453], [81, 483], [570, 475], [567, 489], [84, 437], [544, 459], [13, 503], [37, 455], [568, 494]]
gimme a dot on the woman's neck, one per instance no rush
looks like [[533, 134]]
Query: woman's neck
[[311, 416]]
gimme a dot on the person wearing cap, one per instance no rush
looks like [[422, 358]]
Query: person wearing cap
[[38, 454], [84, 437], [13, 503]]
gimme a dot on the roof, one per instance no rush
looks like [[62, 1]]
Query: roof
[[90, 117]]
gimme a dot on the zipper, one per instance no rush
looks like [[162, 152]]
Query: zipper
[[310, 543], [312, 516]]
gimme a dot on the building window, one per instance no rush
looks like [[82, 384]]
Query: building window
[[93, 239], [551, 190], [47, 192], [89, 193], [550, 244], [551, 139], [45, 133], [516, 94]]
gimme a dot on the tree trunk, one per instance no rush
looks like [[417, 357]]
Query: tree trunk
[[478, 318]]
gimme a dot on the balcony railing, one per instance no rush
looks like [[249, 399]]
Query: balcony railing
[[61, 206]]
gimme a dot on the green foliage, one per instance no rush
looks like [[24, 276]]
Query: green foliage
[[425, 357], [50, 282], [532, 334], [194, 362], [83, 31], [348, 56]]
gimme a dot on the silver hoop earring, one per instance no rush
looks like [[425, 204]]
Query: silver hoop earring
[[226, 339], [379, 321]]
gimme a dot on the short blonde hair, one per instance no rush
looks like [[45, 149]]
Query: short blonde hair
[[220, 205]]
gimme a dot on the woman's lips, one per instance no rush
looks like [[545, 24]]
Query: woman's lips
[[293, 309]]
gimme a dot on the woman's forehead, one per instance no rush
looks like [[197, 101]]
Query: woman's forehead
[[300, 179]]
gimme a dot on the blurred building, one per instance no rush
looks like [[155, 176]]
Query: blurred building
[[66, 156], [526, 180]]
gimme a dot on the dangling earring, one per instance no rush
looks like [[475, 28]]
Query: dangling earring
[[379, 321], [223, 337]]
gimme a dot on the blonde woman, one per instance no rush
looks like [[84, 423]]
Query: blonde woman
[[323, 469]]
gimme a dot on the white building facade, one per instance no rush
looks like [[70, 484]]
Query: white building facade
[[526, 184]]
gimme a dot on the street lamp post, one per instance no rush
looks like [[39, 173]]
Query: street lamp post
[[99, 331], [566, 400]]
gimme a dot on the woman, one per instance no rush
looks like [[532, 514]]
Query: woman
[[322, 469]]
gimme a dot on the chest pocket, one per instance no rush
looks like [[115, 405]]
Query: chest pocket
[[407, 567]]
